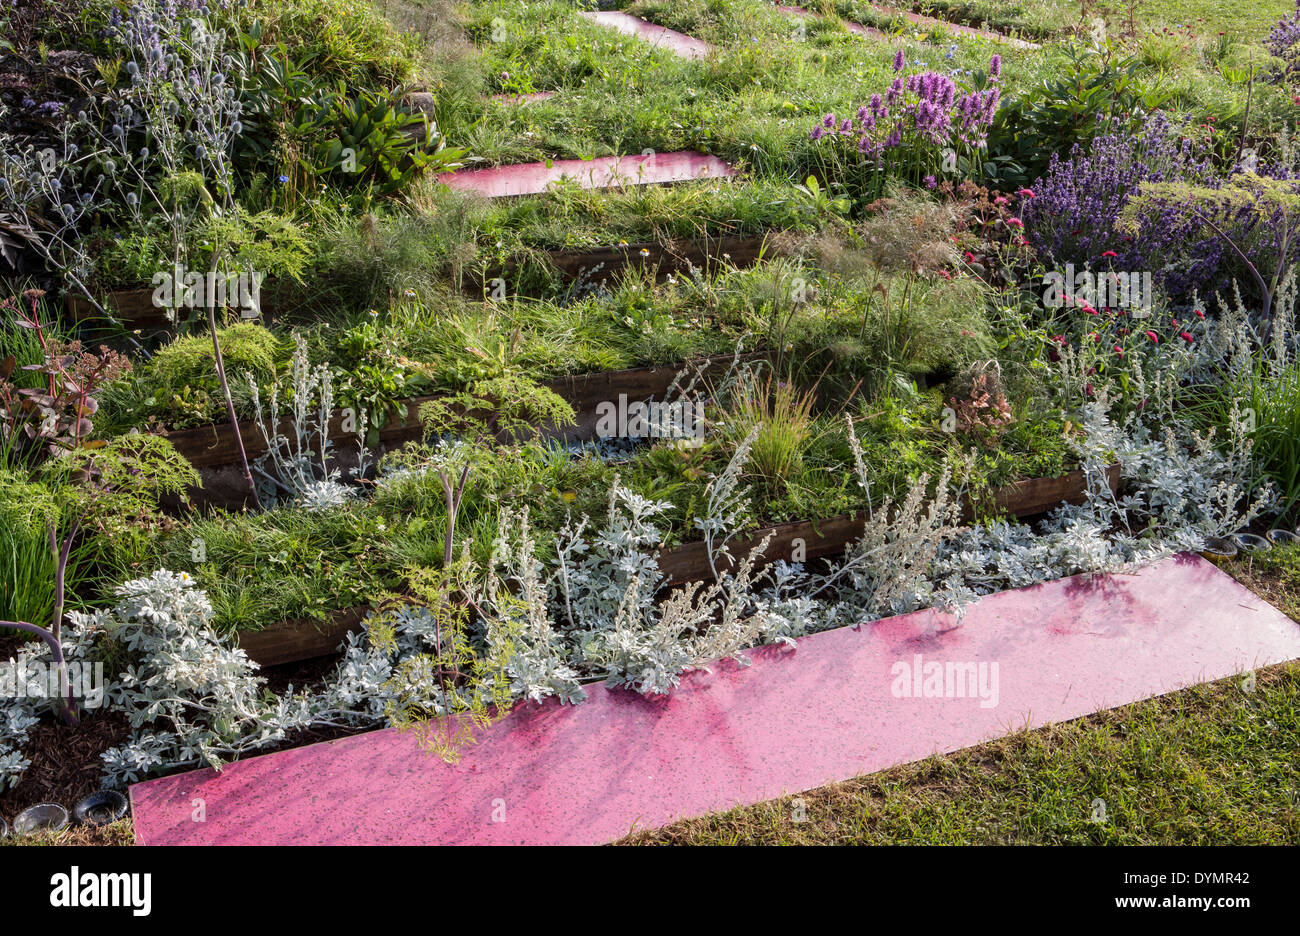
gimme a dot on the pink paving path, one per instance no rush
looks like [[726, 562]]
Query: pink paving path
[[916, 18], [848, 24], [920, 20], [794, 720], [533, 178], [523, 98], [661, 36]]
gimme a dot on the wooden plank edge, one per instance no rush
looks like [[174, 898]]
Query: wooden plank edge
[[297, 640]]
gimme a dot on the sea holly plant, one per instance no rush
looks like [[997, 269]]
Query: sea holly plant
[[171, 128], [47, 197], [167, 139]]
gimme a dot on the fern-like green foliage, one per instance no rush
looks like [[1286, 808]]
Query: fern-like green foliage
[[120, 479], [185, 189], [265, 242], [106, 494], [447, 694], [508, 407]]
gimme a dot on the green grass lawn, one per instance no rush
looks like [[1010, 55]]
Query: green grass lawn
[[1274, 576], [1248, 19], [1214, 764], [121, 832]]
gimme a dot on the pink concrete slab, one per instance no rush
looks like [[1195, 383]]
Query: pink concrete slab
[[660, 36], [848, 24], [523, 98], [844, 703], [533, 178], [964, 30]]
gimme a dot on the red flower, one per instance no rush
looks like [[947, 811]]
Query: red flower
[[970, 257], [1199, 313], [1110, 253], [1187, 337], [1027, 193], [1119, 350], [1015, 222], [1153, 336]]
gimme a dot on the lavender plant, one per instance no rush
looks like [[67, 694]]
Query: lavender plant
[[1283, 43], [1197, 233]]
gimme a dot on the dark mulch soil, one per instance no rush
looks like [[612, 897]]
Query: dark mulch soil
[[66, 761]]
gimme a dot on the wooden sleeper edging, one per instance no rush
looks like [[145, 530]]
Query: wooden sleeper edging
[[296, 640]]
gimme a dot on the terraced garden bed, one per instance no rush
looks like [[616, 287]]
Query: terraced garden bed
[[609, 342]]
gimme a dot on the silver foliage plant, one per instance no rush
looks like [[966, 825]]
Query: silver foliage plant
[[297, 466]]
